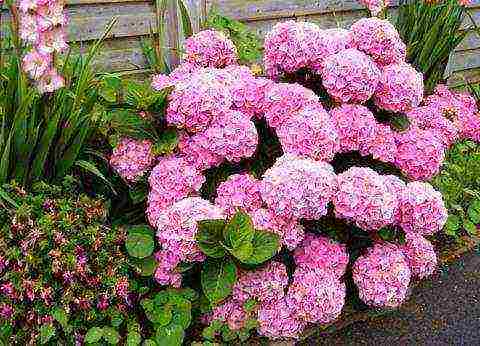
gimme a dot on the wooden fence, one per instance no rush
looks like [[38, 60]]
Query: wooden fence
[[136, 19]]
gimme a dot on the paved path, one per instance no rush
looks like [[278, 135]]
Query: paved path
[[442, 311]]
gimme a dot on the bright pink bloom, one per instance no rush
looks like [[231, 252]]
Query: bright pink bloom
[[210, 48], [239, 191], [420, 255], [131, 158]]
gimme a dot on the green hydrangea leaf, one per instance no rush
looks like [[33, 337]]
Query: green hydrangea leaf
[[61, 317], [453, 224], [218, 278], [238, 236], [172, 335], [167, 142], [474, 212], [265, 246], [93, 335], [470, 227], [210, 236], [111, 335], [140, 243]]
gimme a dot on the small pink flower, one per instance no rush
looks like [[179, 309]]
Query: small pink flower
[[50, 82]]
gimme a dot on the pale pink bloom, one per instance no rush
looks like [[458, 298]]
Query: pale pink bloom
[[36, 64], [50, 81], [52, 41]]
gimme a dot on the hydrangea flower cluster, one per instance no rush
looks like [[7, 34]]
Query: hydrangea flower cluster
[[364, 198], [420, 255], [131, 158], [382, 276], [42, 25], [422, 209], [210, 48], [299, 188], [239, 191]]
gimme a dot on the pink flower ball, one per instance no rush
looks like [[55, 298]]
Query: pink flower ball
[[382, 276], [284, 100], [382, 146], [331, 42], [290, 230], [396, 186], [356, 127], [230, 312], [183, 72], [350, 76], [400, 88], [289, 47], [131, 158], [166, 273], [277, 320], [420, 153], [420, 255], [310, 133], [266, 284], [316, 296], [177, 227], [299, 188], [379, 39], [422, 209], [196, 151], [428, 118], [363, 198], [375, 6], [172, 179], [322, 254], [249, 95], [470, 127], [239, 191], [210, 48], [196, 101]]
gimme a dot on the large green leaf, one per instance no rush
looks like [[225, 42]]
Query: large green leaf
[[94, 334], [172, 335], [111, 335], [210, 236], [218, 278], [265, 246], [239, 234], [140, 242]]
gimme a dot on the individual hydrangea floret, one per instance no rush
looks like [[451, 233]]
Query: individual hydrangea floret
[[299, 188], [379, 39], [289, 47], [429, 118], [420, 153], [131, 158], [382, 276], [316, 296], [196, 101], [422, 209], [364, 198], [239, 191], [277, 320], [290, 230], [382, 145], [375, 6], [284, 100], [350, 76], [356, 127], [172, 179], [177, 226], [263, 285], [400, 88], [322, 254], [420, 255], [331, 42], [210, 48], [310, 133]]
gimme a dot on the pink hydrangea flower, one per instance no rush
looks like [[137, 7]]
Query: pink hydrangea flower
[[177, 227], [310, 133], [316, 296], [379, 39], [322, 254], [210, 48], [196, 151], [420, 255], [196, 101], [299, 188], [396, 186], [290, 230], [400, 88], [277, 320], [428, 118], [420, 153], [249, 95], [183, 72], [161, 81], [382, 276], [230, 312], [284, 100], [166, 273], [350, 76], [356, 127], [289, 47], [363, 198], [172, 179], [375, 6], [422, 209], [239, 191], [331, 41], [263, 285], [131, 158], [382, 145]]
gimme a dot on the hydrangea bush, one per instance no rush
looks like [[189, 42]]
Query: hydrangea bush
[[264, 235]]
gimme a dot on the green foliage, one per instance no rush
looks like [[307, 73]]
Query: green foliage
[[238, 238], [140, 242], [218, 278], [459, 182], [431, 32], [249, 46]]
